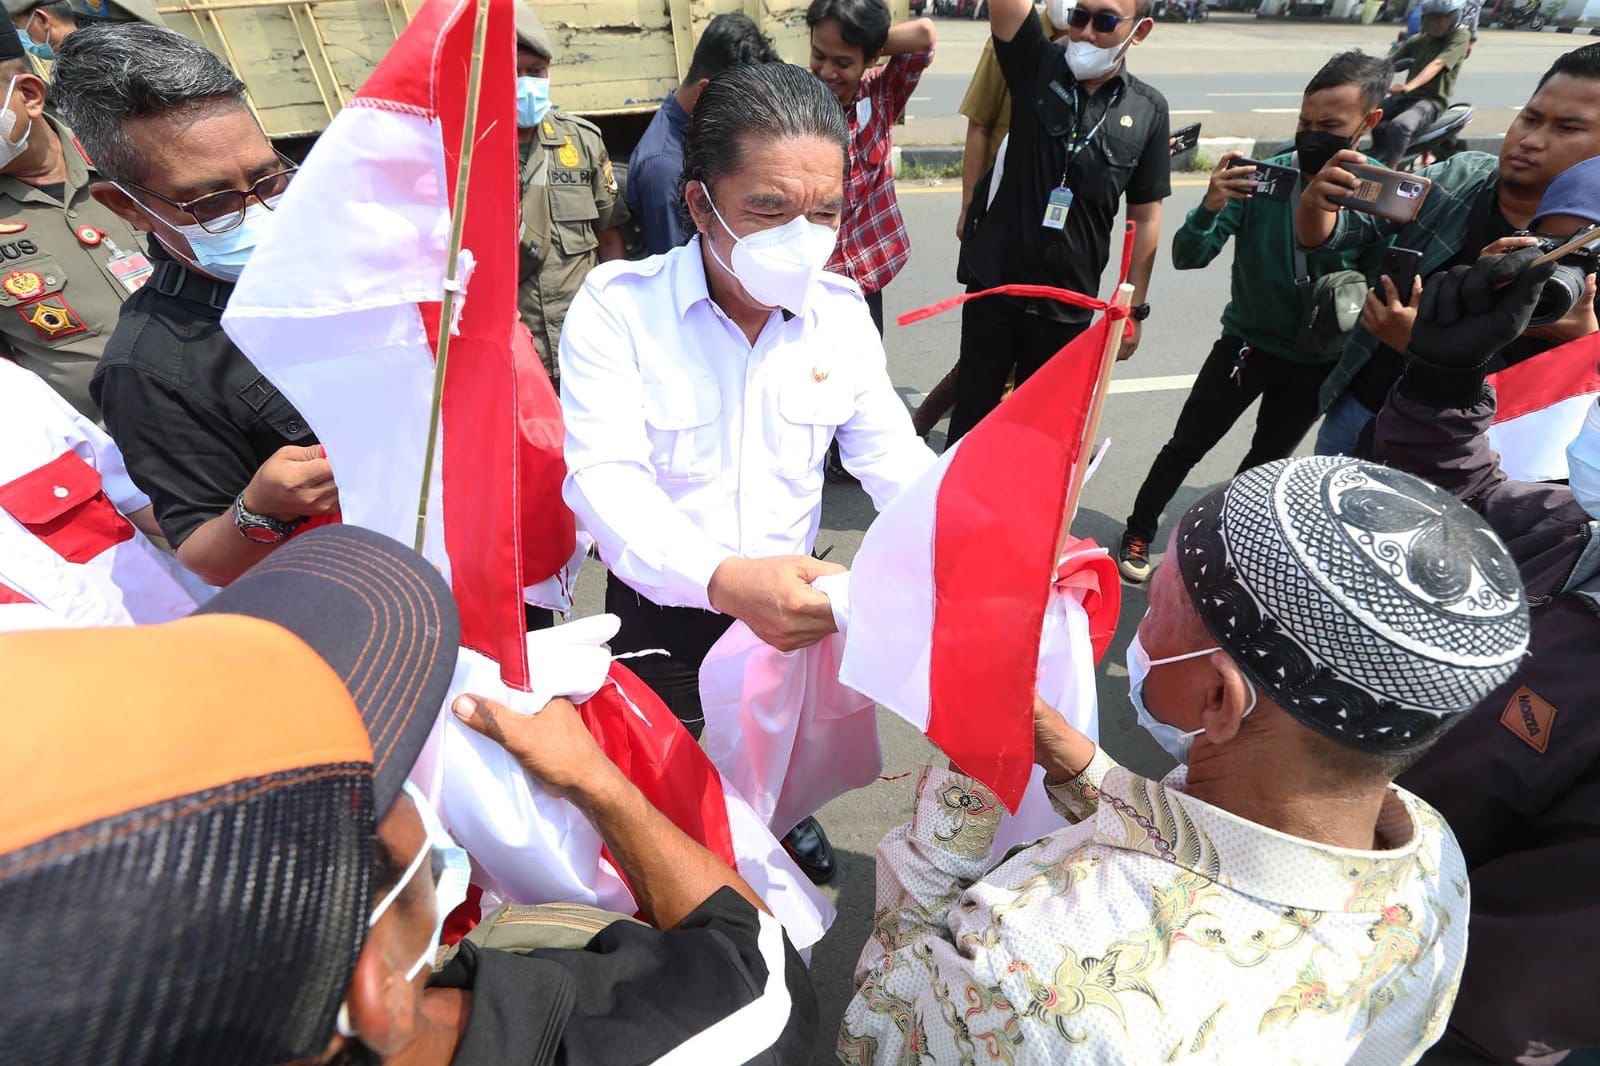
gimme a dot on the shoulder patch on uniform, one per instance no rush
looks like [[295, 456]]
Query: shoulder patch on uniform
[[1529, 718]]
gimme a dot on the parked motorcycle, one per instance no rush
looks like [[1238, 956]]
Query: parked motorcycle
[[1529, 15], [1181, 10]]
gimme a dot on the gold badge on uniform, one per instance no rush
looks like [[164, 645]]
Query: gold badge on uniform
[[88, 236], [52, 317], [22, 284], [568, 154], [8, 228], [611, 179], [818, 375], [549, 130], [1127, 122]]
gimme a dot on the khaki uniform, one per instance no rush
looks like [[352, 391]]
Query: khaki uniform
[[568, 194], [66, 265]]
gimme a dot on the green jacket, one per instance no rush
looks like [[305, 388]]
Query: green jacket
[[1264, 304], [1438, 233]]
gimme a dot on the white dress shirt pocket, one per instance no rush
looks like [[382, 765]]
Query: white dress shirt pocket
[[812, 410], [680, 416]]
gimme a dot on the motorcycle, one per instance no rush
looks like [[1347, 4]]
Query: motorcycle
[[1530, 15], [1181, 10], [1439, 139]]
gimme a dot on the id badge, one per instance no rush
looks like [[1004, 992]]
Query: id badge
[[1055, 211], [131, 270]]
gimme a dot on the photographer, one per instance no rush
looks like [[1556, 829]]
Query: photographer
[[1472, 203], [1518, 780], [1265, 349]]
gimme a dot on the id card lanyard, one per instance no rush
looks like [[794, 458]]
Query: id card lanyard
[[1060, 199]]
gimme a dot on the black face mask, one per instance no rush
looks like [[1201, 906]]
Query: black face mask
[[1316, 147]]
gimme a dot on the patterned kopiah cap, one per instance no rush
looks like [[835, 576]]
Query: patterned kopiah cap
[[1369, 604]]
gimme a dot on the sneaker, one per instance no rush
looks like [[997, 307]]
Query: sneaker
[[1133, 557]]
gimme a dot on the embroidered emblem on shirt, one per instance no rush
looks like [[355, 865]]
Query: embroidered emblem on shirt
[[22, 284], [8, 228], [568, 154], [611, 179], [52, 317], [1529, 718], [549, 130]]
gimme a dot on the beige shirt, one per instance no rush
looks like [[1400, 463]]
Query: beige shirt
[[569, 193], [1157, 929], [60, 261]]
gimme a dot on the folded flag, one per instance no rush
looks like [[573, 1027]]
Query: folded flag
[[1540, 405]]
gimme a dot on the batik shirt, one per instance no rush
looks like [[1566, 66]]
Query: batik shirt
[[1157, 928]]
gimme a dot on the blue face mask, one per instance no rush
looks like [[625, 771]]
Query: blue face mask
[[533, 101], [1174, 741], [39, 51], [222, 255], [1583, 463]]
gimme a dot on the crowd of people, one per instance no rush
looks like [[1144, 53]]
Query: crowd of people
[[1368, 664]]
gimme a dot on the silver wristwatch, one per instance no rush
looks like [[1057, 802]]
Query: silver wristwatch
[[261, 528]]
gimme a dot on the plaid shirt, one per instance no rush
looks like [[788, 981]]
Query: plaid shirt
[[873, 245]]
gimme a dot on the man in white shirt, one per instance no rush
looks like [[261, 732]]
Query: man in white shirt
[[701, 390], [1318, 625], [73, 549]]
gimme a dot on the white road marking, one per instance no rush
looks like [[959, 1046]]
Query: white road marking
[[1154, 384], [1274, 110], [1293, 93], [1193, 111]]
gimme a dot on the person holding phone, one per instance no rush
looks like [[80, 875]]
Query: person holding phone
[[1260, 352], [1474, 201]]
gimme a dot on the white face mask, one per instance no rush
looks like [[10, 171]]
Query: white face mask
[[778, 267], [9, 149], [1089, 62], [1583, 463], [1174, 741], [449, 889], [1057, 11]]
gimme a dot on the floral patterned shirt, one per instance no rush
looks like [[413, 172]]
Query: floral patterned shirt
[[1156, 928]]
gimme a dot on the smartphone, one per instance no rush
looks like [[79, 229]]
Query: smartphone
[[1386, 193], [1185, 139], [1400, 264], [1272, 181]]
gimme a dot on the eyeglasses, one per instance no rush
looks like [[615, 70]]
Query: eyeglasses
[[219, 212], [1104, 21]]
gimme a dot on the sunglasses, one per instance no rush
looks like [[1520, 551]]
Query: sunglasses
[[1103, 21]]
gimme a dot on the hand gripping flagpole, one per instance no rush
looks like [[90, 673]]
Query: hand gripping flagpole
[[452, 283]]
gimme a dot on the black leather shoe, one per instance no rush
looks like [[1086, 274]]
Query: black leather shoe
[[808, 846]]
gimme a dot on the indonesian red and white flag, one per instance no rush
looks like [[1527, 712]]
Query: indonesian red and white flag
[[950, 589], [1540, 406], [340, 307]]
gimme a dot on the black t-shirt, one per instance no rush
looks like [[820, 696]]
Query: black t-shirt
[[1485, 225], [1127, 155], [633, 994], [193, 417]]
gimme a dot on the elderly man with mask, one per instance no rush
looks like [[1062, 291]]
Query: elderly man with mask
[[702, 388], [1519, 781], [232, 468], [1318, 624]]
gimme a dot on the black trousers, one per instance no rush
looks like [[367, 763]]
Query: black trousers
[[997, 337], [1403, 116], [875, 307], [687, 633], [1288, 392]]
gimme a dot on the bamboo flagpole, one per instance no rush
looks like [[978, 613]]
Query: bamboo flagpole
[[1108, 359], [452, 283]]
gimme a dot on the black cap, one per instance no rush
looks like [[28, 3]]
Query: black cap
[[378, 613], [11, 45]]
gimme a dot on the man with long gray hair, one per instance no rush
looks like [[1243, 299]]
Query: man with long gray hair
[[231, 467]]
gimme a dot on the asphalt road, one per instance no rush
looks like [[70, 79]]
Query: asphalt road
[[1241, 76], [1147, 393]]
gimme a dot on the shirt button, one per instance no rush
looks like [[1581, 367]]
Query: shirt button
[[72, 212], [61, 492], [295, 426]]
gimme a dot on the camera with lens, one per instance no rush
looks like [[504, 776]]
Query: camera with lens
[[1565, 287]]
